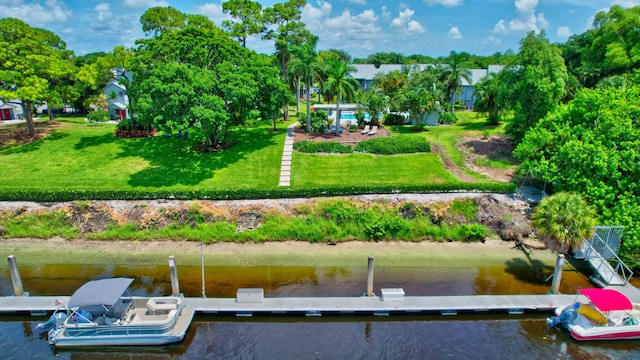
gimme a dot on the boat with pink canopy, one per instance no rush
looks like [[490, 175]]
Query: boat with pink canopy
[[599, 314]]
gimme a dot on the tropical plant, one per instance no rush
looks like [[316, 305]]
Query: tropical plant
[[418, 102], [306, 67], [452, 75], [487, 99], [563, 221], [375, 103], [340, 84]]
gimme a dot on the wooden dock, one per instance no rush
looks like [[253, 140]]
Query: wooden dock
[[316, 306]]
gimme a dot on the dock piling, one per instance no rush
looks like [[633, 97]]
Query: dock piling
[[370, 277], [16, 279], [557, 274], [175, 285]]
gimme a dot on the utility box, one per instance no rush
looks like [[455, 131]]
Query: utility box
[[250, 295], [392, 294]]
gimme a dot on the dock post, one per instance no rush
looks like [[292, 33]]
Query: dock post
[[557, 274], [370, 277], [16, 280], [175, 286]]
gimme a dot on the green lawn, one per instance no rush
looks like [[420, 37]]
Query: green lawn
[[359, 169], [78, 155], [86, 156]]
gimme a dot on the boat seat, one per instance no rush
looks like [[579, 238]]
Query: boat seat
[[155, 307]]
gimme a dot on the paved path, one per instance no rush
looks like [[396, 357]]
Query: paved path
[[285, 167]]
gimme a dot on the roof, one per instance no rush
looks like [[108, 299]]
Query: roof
[[118, 105], [116, 84], [607, 299], [104, 292], [368, 71], [10, 106]]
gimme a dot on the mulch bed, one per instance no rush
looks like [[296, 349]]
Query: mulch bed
[[347, 137]]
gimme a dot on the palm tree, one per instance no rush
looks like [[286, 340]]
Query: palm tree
[[563, 221], [340, 84], [305, 66], [487, 99], [417, 101], [452, 75]]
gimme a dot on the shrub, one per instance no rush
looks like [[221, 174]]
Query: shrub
[[98, 116], [394, 119], [322, 147], [395, 145], [466, 207], [447, 118]]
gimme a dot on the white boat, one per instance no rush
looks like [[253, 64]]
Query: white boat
[[100, 313], [599, 314]]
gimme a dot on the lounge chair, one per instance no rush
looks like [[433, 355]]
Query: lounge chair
[[373, 131], [366, 129]]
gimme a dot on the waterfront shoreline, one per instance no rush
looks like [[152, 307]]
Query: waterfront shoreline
[[287, 253]]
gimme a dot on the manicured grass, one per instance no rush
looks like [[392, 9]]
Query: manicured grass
[[358, 169], [79, 155], [469, 124]]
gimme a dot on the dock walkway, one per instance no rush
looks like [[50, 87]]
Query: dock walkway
[[446, 305]]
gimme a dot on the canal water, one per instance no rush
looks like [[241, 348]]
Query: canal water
[[496, 336]]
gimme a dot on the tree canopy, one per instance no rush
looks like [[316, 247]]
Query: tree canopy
[[34, 66], [591, 146], [198, 76]]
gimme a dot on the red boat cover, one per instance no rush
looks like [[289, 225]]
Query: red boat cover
[[607, 299]]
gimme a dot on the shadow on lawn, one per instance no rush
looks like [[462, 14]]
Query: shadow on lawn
[[34, 145], [89, 141], [176, 161]]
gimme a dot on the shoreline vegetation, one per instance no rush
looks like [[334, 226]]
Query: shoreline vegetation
[[93, 232]]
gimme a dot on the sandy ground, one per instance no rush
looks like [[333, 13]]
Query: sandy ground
[[288, 253]]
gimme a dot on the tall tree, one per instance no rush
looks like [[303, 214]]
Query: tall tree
[[208, 77], [340, 84], [537, 83], [31, 60], [563, 221], [488, 98], [158, 20], [287, 30], [249, 19], [453, 72], [306, 66], [590, 146]]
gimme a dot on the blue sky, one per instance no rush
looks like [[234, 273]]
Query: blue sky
[[361, 27]]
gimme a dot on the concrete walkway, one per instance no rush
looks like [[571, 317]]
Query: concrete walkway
[[285, 167]]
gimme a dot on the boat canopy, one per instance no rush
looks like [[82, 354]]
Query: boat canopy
[[607, 299], [105, 292]]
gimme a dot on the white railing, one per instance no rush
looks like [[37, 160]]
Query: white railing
[[620, 269]]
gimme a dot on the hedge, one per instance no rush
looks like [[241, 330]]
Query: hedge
[[240, 194]]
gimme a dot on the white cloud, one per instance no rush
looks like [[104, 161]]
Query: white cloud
[[385, 13], [359, 2], [143, 4], [213, 12], [454, 33], [447, 3], [491, 40], [404, 24], [564, 32], [35, 12], [526, 19]]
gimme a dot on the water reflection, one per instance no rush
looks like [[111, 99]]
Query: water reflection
[[394, 337]]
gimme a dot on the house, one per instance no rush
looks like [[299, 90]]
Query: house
[[10, 111], [365, 74], [117, 100]]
